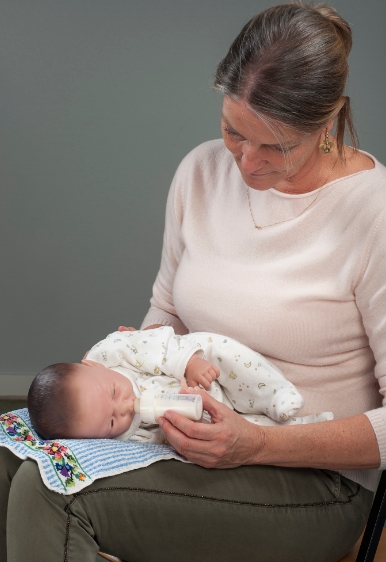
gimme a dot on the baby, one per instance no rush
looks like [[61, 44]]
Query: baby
[[95, 399]]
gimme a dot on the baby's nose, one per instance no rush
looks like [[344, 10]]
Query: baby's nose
[[124, 408]]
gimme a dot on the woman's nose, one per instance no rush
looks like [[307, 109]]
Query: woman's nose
[[251, 160]]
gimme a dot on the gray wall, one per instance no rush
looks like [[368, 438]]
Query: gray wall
[[100, 99]]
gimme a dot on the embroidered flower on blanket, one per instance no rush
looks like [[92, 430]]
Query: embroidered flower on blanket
[[69, 465], [62, 459]]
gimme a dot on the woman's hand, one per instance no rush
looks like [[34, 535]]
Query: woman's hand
[[131, 329], [227, 442]]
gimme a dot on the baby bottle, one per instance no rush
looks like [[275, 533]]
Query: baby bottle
[[153, 405]]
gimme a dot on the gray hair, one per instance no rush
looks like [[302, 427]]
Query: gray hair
[[289, 64]]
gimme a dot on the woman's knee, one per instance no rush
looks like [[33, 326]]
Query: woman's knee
[[39, 512], [9, 464], [29, 492]]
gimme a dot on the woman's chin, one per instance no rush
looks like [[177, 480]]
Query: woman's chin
[[261, 182]]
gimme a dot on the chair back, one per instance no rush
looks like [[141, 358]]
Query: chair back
[[375, 524]]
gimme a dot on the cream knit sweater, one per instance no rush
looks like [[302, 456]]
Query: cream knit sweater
[[309, 293]]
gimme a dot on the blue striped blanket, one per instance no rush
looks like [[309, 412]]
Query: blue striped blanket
[[69, 465]]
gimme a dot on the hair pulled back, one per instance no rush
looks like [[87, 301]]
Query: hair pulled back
[[289, 64]]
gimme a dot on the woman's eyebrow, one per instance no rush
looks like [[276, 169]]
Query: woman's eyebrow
[[273, 145], [227, 123]]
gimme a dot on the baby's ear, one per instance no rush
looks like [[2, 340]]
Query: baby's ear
[[90, 363]]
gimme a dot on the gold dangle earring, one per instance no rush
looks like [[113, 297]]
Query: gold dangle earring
[[326, 146]]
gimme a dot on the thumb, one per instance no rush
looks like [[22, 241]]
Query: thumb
[[184, 387], [215, 409]]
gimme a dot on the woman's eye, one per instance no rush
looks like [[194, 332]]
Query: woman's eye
[[231, 133], [283, 149]]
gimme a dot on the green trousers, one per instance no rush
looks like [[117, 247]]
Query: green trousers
[[178, 512]]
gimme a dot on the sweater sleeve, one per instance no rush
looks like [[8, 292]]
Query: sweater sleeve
[[162, 309], [371, 300]]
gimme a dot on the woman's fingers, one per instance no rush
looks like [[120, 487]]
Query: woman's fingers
[[215, 409], [90, 363], [184, 445], [184, 387], [197, 430], [186, 427], [126, 329], [211, 405], [208, 445], [227, 442], [202, 447]]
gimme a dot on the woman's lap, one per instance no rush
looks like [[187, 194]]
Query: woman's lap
[[172, 511]]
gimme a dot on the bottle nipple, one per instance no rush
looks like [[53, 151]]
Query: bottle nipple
[[137, 405]]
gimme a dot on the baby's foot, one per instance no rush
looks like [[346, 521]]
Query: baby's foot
[[286, 401]]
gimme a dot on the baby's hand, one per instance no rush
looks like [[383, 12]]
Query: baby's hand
[[200, 372]]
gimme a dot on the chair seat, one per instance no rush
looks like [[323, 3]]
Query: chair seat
[[350, 557], [380, 555]]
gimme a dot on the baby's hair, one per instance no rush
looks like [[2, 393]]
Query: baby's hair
[[50, 401]]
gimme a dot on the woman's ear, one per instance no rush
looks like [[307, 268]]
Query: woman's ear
[[330, 125]]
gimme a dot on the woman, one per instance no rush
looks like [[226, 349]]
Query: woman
[[275, 237]]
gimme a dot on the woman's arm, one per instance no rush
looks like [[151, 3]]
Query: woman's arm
[[162, 310], [131, 329], [230, 441], [346, 444]]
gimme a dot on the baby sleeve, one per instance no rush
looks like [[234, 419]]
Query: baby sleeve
[[146, 351]]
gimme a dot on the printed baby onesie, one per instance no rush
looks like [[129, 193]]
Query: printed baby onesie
[[248, 382]]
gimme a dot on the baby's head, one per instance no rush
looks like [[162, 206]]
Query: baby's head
[[79, 401]]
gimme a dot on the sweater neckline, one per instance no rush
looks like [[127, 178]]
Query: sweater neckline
[[328, 184]]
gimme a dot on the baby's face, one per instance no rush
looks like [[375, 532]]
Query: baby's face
[[104, 402]]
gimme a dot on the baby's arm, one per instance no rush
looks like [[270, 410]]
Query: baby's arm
[[251, 383], [152, 351], [200, 372]]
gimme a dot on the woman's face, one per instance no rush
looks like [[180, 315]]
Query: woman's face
[[259, 155]]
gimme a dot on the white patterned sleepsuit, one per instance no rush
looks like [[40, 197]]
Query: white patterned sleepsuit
[[248, 382]]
